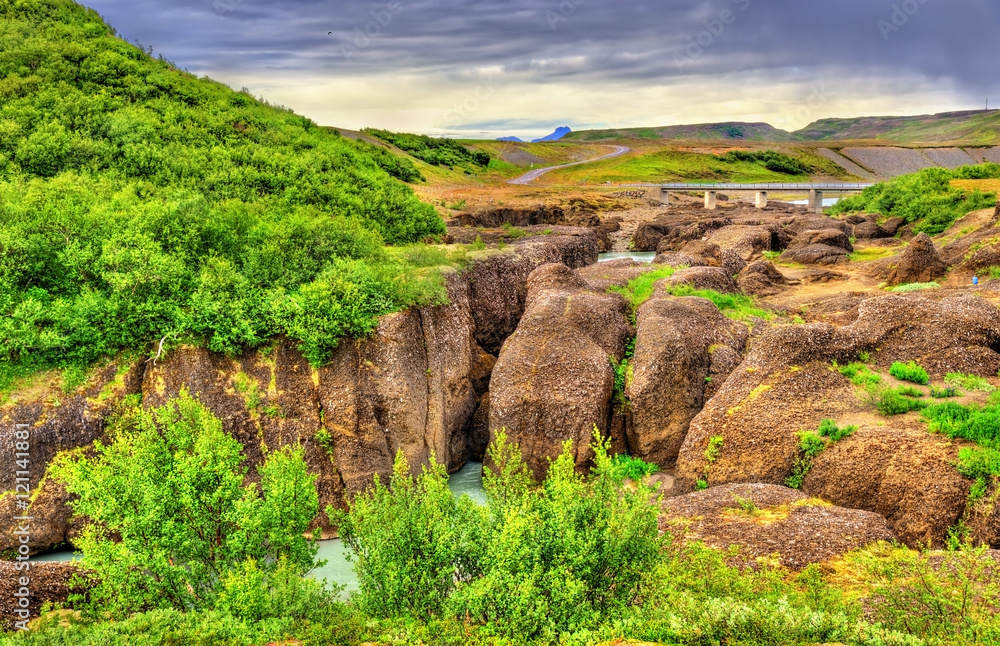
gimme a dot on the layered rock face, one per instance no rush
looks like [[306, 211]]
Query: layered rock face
[[553, 380], [415, 385]]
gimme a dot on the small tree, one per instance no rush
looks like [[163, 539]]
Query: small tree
[[171, 517]]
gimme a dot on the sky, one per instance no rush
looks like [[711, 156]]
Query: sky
[[489, 68]]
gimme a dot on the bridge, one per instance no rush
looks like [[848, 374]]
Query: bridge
[[661, 192]]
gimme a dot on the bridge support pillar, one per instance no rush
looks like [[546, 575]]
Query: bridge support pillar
[[710, 201], [816, 201], [761, 200], [660, 195]]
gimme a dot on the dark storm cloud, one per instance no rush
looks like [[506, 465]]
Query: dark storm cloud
[[949, 41]]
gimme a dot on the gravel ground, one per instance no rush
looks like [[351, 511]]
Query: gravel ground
[[949, 157], [889, 161], [845, 163]]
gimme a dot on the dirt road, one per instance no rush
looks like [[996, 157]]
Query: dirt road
[[531, 176]]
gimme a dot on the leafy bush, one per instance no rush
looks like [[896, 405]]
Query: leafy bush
[[739, 307], [626, 466], [980, 425], [436, 151], [925, 199], [770, 159], [945, 392], [715, 444], [909, 371], [969, 382], [139, 203], [173, 524], [892, 401]]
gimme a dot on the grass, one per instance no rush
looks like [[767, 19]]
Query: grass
[[738, 307], [638, 290], [859, 374], [910, 371], [969, 382], [977, 424], [626, 466], [873, 253], [893, 401], [913, 287], [715, 444]]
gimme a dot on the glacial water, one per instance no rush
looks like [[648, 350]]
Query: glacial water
[[641, 256]]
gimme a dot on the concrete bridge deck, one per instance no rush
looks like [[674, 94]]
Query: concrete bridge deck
[[815, 190]]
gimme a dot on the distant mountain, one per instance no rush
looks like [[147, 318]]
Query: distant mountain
[[518, 140], [558, 134], [970, 128]]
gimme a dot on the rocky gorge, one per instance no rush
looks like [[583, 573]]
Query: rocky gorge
[[530, 341]]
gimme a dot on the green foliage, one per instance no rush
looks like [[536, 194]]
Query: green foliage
[[944, 392], [439, 152], [712, 452], [948, 600], [913, 287], [625, 466], [910, 371], [969, 382], [925, 199], [893, 401], [980, 425], [406, 541], [640, 289], [769, 159], [739, 307], [139, 203], [173, 521], [812, 444], [532, 563], [860, 374]]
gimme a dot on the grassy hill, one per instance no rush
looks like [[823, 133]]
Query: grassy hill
[[972, 128], [140, 203], [732, 130]]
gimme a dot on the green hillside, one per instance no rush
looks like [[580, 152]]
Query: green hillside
[[734, 130], [139, 203], [972, 128], [979, 128]]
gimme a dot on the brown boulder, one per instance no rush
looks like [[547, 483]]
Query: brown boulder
[[600, 276], [48, 583], [714, 278], [765, 520], [649, 234], [815, 254], [710, 252], [553, 380], [747, 241], [684, 347], [891, 226], [785, 385], [761, 278], [678, 259], [899, 472], [919, 263], [818, 223], [828, 237]]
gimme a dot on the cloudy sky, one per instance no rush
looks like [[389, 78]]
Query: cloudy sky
[[483, 68]]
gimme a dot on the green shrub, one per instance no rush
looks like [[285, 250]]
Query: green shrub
[[943, 393], [172, 515], [769, 159], [891, 401], [860, 374], [626, 466], [980, 425], [909, 371], [739, 307], [925, 199], [435, 151], [969, 382]]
